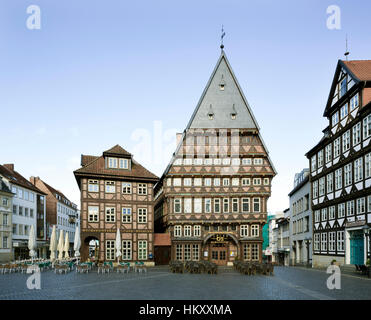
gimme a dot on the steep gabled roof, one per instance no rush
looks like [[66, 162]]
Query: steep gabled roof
[[54, 191], [117, 150], [15, 178], [4, 187]]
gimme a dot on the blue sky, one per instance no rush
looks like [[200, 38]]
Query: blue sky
[[100, 73]]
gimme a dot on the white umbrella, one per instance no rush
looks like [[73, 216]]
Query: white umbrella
[[53, 244], [66, 246], [60, 245], [118, 244], [77, 242], [32, 242]]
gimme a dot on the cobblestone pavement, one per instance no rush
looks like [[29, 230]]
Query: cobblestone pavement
[[159, 284]]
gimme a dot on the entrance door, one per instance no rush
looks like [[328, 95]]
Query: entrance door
[[357, 249], [218, 253]]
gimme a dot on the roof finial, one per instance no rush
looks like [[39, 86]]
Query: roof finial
[[223, 34], [346, 54]]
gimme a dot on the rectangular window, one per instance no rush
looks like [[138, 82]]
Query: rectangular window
[[198, 205], [225, 182], [257, 181], [316, 216], [244, 230], [216, 205], [112, 163], [187, 252], [266, 181], [324, 241], [367, 127], [126, 187], [343, 87], [188, 231], [324, 214], [188, 205], [341, 210], [142, 215], [196, 252], [256, 203], [354, 102], [216, 182], [344, 111], [338, 179], [208, 205], [368, 165], [350, 208], [93, 214], [255, 230], [320, 158], [179, 252], [314, 163], [245, 181], [336, 148], [332, 241], [110, 249], [207, 182], [110, 187], [328, 153], [330, 185], [331, 211], [124, 163], [168, 182], [110, 214], [348, 175], [126, 250], [346, 141], [335, 118], [235, 182], [225, 205], [177, 182], [177, 205], [197, 231], [315, 189], [358, 170], [142, 188], [93, 186], [317, 241], [245, 205], [177, 231], [126, 215], [197, 182], [357, 134], [322, 186], [340, 241], [142, 250], [361, 205], [246, 161], [234, 205], [14, 209]]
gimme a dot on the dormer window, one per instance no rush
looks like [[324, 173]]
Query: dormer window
[[118, 163], [233, 113], [210, 114], [112, 162], [124, 164]]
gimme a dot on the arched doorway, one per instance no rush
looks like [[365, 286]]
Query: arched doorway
[[221, 248], [90, 249]]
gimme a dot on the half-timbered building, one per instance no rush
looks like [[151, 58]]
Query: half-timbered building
[[116, 193], [212, 197], [340, 166]]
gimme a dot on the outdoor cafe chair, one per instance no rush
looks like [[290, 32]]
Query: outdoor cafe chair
[[139, 267]]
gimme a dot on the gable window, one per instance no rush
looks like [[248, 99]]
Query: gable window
[[177, 182], [346, 141], [110, 214], [258, 161], [112, 162], [256, 181], [168, 182], [266, 181], [126, 215], [246, 161], [320, 159], [343, 87], [344, 111], [314, 163], [124, 163], [93, 186], [110, 187], [197, 182], [354, 102], [187, 182], [142, 188], [142, 215], [126, 187], [315, 189], [367, 127]]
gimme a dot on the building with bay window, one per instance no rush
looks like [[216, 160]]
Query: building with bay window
[[212, 197], [340, 169], [116, 192]]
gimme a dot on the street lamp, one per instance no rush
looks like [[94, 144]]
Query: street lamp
[[367, 232], [307, 242]]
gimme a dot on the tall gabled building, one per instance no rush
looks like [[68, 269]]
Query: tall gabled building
[[340, 166], [116, 193], [212, 197]]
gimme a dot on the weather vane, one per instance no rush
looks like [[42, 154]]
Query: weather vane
[[223, 34], [346, 54]]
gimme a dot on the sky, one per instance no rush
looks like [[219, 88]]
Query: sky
[[101, 73]]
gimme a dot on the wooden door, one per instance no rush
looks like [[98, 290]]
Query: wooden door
[[219, 253], [162, 255]]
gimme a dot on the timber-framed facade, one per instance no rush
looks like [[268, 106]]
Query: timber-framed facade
[[116, 193], [212, 197]]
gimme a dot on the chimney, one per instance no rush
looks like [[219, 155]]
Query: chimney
[[9, 166], [34, 180], [178, 137]]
